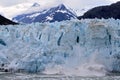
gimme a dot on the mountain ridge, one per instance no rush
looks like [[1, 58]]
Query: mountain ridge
[[5, 21], [108, 11], [58, 13]]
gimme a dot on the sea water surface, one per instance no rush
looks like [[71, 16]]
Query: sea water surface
[[25, 76]]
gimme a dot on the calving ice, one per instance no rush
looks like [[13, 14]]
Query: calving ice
[[69, 47]]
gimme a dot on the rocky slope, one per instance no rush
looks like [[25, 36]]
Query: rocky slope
[[109, 11]]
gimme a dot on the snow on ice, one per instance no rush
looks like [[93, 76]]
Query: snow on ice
[[68, 47]]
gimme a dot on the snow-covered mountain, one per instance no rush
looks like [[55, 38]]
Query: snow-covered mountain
[[36, 5], [34, 14]]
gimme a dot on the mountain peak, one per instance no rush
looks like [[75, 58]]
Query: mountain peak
[[61, 6], [58, 13], [36, 4]]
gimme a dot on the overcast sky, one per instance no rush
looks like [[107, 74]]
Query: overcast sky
[[74, 2], [6, 5]]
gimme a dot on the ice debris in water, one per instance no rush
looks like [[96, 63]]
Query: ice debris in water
[[71, 45]]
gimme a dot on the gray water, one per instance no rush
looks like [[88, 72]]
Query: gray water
[[25, 76]]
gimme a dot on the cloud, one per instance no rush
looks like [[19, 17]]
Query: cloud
[[85, 3], [114, 0], [70, 2], [11, 2], [7, 3], [16, 6], [73, 3]]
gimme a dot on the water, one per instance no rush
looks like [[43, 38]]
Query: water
[[24, 76]]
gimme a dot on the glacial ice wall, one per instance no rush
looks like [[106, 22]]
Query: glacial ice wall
[[69, 45]]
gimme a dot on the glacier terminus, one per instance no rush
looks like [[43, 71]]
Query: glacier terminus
[[69, 47]]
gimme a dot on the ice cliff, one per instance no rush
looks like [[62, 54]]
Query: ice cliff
[[74, 47]]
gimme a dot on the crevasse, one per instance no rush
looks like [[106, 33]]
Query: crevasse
[[68, 46]]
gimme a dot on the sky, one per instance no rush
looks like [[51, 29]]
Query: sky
[[74, 2], [11, 7], [14, 2]]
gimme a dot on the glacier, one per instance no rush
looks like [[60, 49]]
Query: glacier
[[75, 47]]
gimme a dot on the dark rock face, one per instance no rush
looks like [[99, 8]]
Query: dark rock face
[[5, 21], [111, 11], [53, 14]]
